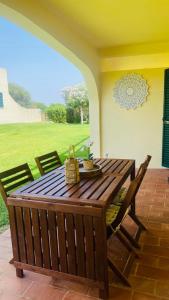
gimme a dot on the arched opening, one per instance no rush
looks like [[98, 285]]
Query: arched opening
[[33, 64], [73, 48], [18, 132]]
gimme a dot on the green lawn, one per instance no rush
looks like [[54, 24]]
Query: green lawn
[[20, 143]]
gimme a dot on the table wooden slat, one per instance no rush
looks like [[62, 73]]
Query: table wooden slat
[[98, 190]]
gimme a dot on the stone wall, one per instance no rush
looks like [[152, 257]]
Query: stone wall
[[12, 112]]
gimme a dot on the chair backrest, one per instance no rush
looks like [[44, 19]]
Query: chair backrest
[[132, 191], [14, 178], [48, 162]]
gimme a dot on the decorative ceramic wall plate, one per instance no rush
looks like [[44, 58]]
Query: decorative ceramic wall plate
[[130, 91]]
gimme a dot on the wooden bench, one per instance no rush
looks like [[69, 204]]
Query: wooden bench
[[66, 241]]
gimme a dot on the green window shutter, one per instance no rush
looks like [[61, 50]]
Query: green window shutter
[[166, 96], [165, 152], [165, 160], [1, 100]]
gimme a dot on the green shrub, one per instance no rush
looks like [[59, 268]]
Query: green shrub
[[72, 115], [69, 114], [57, 113]]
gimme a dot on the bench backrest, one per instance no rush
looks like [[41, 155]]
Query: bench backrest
[[60, 237]]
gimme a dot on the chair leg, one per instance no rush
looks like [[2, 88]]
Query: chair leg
[[137, 221], [118, 273], [129, 237], [126, 243]]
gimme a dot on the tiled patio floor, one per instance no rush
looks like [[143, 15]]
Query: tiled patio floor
[[149, 275]]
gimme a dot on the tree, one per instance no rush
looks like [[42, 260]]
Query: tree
[[20, 95], [57, 113], [39, 105], [76, 98]]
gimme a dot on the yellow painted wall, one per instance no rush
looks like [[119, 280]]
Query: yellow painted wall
[[133, 133], [121, 133]]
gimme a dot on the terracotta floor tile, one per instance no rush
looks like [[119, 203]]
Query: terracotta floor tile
[[134, 268], [165, 226], [161, 233], [6, 233], [6, 267], [156, 217], [17, 286], [36, 277], [159, 192], [164, 242], [156, 250], [44, 292], [140, 296], [150, 186], [152, 273], [158, 202], [93, 292], [115, 292], [166, 215], [162, 288], [70, 285], [143, 211], [119, 293], [5, 253], [148, 259], [166, 203], [155, 226], [75, 296], [163, 263], [149, 240], [142, 284], [4, 295], [167, 194], [162, 186]]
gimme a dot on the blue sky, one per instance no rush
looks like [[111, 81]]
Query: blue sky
[[35, 66]]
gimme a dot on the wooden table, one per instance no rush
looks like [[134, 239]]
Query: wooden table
[[97, 191], [60, 230]]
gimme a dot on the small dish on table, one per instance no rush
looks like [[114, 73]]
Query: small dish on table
[[84, 173]]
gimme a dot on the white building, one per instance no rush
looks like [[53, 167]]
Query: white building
[[12, 112]]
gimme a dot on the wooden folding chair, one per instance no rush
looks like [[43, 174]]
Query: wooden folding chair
[[115, 216], [48, 162], [12, 179], [132, 212]]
